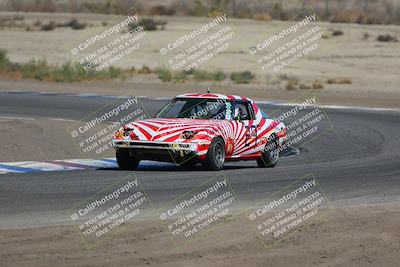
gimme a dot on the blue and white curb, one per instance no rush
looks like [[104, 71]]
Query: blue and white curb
[[56, 165], [74, 164]]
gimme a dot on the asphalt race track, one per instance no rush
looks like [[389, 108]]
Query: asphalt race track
[[355, 162]]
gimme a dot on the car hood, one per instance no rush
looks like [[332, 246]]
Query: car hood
[[170, 129]]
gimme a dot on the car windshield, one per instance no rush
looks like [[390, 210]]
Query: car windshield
[[197, 108]]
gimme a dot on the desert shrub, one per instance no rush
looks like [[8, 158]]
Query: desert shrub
[[242, 77], [147, 24], [272, 80], [162, 10], [326, 36], [35, 69], [366, 36], [387, 38], [332, 81], [346, 81], [75, 73], [201, 75], [198, 9], [114, 72], [182, 76], [304, 86], [276, 11], [167, 75], [347, 16], [95, 7], [356, 16], [339, 81], [37, 23], [219, 75], [286, 77], [262, 17], [292, 81], [75, 24], [336, 32], [318, 85], [144, 70], [5, 63], [49, 26], [291, 85], [164, 74], [68, 73]]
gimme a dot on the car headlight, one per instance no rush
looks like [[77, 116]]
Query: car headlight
[[131, 135], [188, 134], [119, 134]]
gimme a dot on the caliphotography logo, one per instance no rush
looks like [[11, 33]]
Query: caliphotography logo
[[199, 211], [289, 210], [109, 211]]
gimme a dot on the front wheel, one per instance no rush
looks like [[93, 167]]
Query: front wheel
[[215, 158], [270, 156], [126, 160]]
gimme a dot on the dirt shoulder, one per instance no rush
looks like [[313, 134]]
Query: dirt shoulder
[[152, 88], [351, 236], [50, 136]]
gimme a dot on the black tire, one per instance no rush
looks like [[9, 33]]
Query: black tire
[[215, 158], [270, 155], [126, 160]]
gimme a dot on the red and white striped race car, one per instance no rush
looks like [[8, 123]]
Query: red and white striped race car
[[207, 128]]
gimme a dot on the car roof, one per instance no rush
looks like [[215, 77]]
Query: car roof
[[214, 96]]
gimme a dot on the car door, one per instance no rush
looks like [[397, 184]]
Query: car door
[[246, 134]]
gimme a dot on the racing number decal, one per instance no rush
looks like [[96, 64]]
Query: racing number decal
[[251, 134]]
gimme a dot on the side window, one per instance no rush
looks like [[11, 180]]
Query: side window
[[264, 115], [244, 111]]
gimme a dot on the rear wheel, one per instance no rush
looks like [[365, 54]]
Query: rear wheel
[[215, 158], [126, 160], [270, 155]]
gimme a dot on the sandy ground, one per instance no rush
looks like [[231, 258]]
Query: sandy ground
[[348, 236], [44, 134], [352, 236], [144, 87], [372, 66]]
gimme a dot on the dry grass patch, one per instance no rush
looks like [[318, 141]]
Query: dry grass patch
[[291, 85], [345, 80], [387, 38], [317, 84], [262, 17], [304, 86]]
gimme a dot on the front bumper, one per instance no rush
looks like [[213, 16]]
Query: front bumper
[[176, 152], [174, 146]]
